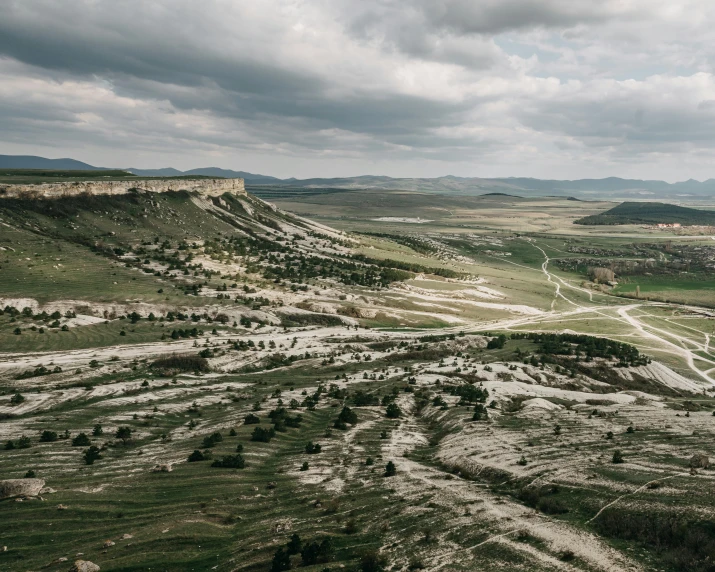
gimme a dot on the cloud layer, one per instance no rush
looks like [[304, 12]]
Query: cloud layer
[[334, 87]]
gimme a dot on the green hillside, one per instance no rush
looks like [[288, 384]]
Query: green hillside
[[650, 213]]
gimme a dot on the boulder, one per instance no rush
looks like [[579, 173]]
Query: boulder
[[162, 469], [699, 461], [20, 487], [84, 566]]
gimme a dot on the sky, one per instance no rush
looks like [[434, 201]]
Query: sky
[[323, 88]]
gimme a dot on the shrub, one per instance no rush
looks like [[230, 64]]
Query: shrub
[[372, 561], [211, 440], [48, 436], [196, 456], [251, 419], [23, 442], [315, 552], [617, 457], [81, 440], [29, 474], [305, 466], [551, 505], [313, 449], [97, 431], [17, 399], [393, 411], [346, 416]]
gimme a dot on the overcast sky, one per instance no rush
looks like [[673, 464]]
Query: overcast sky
[[304, 88]]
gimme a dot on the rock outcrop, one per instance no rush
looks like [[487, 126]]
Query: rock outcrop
[[207, 187], [84, 566], [20, 488]]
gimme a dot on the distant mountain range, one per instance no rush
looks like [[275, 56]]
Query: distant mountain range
[[31, 162], [611, 187]]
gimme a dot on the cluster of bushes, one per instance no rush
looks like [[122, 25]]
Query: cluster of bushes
[[684, 543], [468, 393], [544, 498], [282, 419], [313, 552], [38, 372], [185, 362], [583, 345], [297, 320]]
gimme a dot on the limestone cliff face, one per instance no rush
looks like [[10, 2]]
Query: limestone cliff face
[[207, 187]]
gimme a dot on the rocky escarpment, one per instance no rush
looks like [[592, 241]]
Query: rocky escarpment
[[207, 187]]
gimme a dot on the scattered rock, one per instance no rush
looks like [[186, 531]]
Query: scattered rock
[[162, 469], [271, 485], [47, 491], [21, 488], [127, 536], [62, 507], [283, 525], [699, 461], [84, 566], [108, 543]]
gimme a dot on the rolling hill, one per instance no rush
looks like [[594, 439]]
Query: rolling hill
[[650, 213]]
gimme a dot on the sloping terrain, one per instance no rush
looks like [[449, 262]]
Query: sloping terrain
[[218, 384]]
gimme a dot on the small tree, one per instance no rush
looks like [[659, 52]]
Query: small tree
[[281, 560], [617, 457], [390, 469], [294, 544], [97, 431], [91, 455], [24, 442], [557, 429], [196, 456], [30, 474], [17, 399], [124, 433]]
